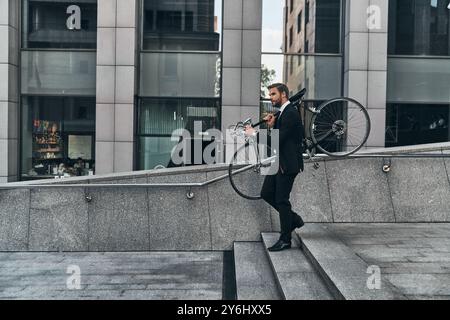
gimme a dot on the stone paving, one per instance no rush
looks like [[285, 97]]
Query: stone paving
[[130, 275], [414, 257]]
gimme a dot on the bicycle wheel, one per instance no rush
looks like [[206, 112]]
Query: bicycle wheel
[[341, 127], [248, 168]]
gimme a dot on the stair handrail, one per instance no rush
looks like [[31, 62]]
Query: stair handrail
[[317, 157]]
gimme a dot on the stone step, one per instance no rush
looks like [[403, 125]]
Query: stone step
[[346, 275], [254, 276], [295, 276], [112, 275]]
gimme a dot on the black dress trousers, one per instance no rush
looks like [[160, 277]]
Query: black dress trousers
[[276, 192]]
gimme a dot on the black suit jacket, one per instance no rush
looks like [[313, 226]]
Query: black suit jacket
[[290, 127]]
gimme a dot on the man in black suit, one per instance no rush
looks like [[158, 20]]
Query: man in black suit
[[277, 188]]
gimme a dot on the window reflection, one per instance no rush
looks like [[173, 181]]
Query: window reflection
[[178, 88], [320, 75], [184, 25], [60, 24], [302, 27], [422, 80], [411, 124], [160, 117], [292, 29], [419, 27], [58, 136], [58, 72], [180, 74]]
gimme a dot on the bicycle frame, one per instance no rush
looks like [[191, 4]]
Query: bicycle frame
[[308, 143], [311, 142]]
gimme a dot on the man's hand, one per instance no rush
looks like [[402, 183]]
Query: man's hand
[[249, 130], [270, 120]]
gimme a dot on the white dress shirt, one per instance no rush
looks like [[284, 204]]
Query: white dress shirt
[[284, 107]]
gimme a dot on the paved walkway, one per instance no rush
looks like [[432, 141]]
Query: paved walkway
[[142, 275], [414, 257]]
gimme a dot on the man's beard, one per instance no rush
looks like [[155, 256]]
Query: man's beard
[[277, 104]]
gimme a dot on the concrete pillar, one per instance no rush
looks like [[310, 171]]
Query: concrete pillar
[[365, 68], [241, 73], [116, 84], [9, 90]]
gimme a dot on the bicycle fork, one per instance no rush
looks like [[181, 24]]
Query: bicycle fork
[[309, 146]]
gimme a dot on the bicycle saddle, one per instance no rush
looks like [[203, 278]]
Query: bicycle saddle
[[298, 96]]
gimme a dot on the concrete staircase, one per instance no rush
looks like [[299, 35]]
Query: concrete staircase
[[81, 215], [295, 276], [319, 266], [254, 276]]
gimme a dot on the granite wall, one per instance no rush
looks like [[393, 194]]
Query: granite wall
[[163, 218]]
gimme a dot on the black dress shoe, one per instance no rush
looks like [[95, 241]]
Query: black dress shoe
[[298, 224], [280, 245]]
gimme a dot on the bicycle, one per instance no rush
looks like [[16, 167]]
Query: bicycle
[[339, 127]]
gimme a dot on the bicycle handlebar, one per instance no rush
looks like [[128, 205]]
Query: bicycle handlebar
[[262, 120]]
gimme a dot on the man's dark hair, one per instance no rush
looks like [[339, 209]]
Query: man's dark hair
[[280, 87]]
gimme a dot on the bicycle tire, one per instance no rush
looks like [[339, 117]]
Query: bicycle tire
[[245, 174], [341, 127]]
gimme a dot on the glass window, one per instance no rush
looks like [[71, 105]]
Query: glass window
[[182, 25], [180, 74], [307, 12], [419, 27], [299, 22], [283, 49], [155, 152], [58, 73], [421, 80], [58, 136], [320, 75], [327, 26], [59, 24], [291, 37], [274, 35], [177, 88], [162, 116], [411, 124], [159, 118], [323, 30]]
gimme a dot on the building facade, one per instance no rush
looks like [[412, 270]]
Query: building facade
[[100, 86]]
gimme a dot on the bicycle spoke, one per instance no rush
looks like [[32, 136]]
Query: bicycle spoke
[[324, 123], [337, 112], [350, 125], [327, 113], [326, 135]]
